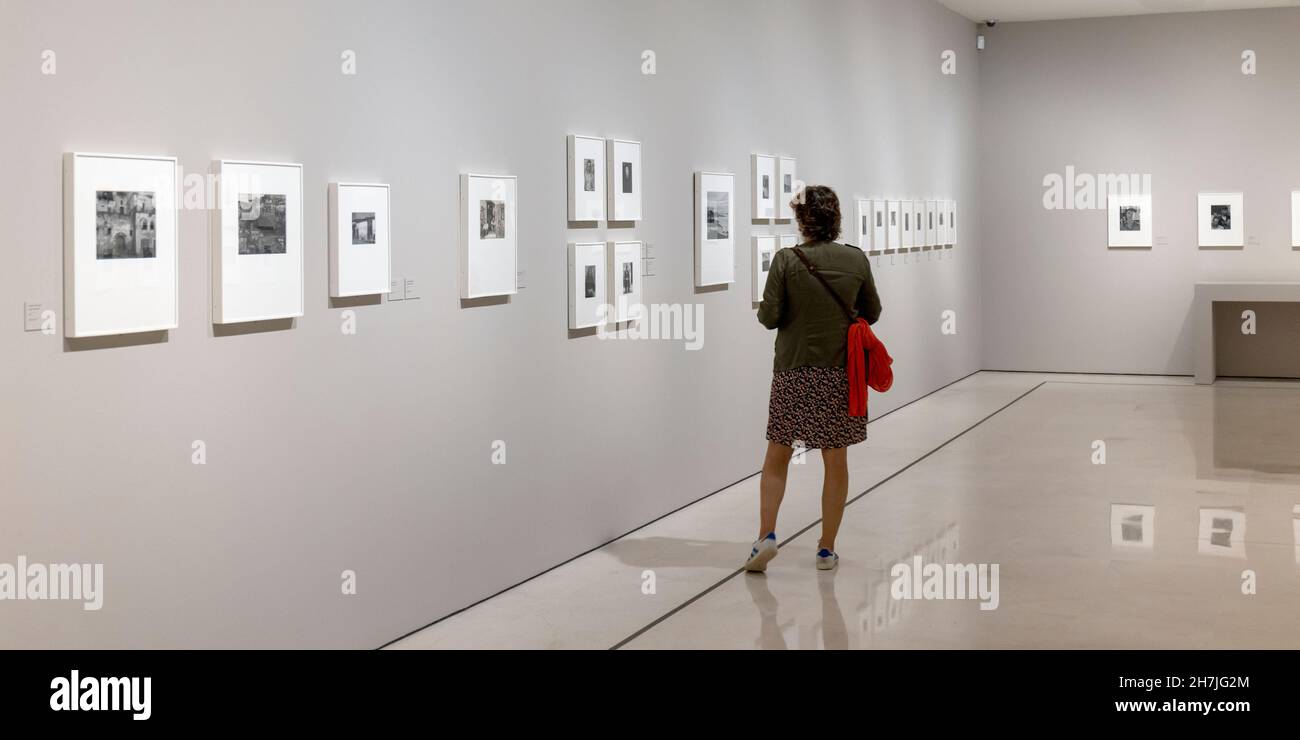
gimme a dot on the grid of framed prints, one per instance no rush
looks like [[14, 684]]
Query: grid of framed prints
[[489, 244], [787, 182], [587, 284], [715, 247], [257, 236], [1221, 219], [624, 281], [586, 178], [360, 250], [765, 248], [624, 179], [121, 272], [763, 203], [1129, 221]]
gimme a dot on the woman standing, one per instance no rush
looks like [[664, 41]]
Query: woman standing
[[810, 388]]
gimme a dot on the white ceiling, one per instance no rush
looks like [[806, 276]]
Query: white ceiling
[[1042, 10]]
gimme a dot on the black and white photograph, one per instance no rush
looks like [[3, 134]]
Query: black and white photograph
[[786, 184], [491, 219], [262, 220], [589, 175], [589, 281], [767, 261], [1130, 218], [125, 225], [866, 224], [628, 276], [363, 227], [718, 214], [627, 178], [1220, 218], [767, 187]]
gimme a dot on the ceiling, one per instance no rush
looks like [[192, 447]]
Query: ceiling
[[1042, 10]]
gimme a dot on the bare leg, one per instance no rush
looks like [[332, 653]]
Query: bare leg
[[772, 486], [835, 491]]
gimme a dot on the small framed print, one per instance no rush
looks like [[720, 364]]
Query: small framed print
[[763, 202], [624, 181], [862, 224], [765, 248], [788, 185], [1221, 219], [120, 267], [880, 227], [895, 215], [257, 255], [360, 249], [918, 224], [941, 235], [1222, 532], [489, 241], [1295, 226], [952, 224], [1132, 527], [624, 282], [931, 224], [715, 246], [1129, 219], [587, 293], [586, 178], [908, 216]]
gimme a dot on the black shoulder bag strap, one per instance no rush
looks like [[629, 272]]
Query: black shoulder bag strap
[[848, 313]]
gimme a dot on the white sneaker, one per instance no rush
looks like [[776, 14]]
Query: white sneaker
[[827, 560], [764, 550]]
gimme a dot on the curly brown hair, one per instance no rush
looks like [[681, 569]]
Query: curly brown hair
[[817, 209]]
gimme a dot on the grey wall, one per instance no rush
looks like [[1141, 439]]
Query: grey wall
[[371, 452], [1163, 95]]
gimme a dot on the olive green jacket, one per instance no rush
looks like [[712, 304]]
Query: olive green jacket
[[811, 327]]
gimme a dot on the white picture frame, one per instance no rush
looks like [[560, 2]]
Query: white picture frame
[[918, 224], [894, 214], [931, 224], [880, 227], [257, 242], [763, 186], [862, 226], [765, 249], [1132, 527], [715, 230], [787, 187], [625, 266], [1295, 219], [121, 270], [489, 239], [588, 297], [941, 231], [586, 178], [360, 228], [1221, 532], [952, 224], [1221, 219], [1129, 221], [907, 227], [623, 183]]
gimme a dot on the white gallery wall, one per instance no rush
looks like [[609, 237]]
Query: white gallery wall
[[372, 452], [1162, 95]]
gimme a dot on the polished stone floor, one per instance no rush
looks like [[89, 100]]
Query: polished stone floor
[[1120, 512]]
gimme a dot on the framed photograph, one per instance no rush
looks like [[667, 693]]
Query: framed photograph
[[931, 224], [120, 267], [879, 227], [624, 281], [1295, 219], [918, 224], [489, 241], [941, 234], [1129, 221], [862, 227], [624, 181], [787, 183], [586, 178], [587, 295], [715, 245], [765, 248], [909, 222], [895, 212], [360, 250], [257, 255], [952, 224], [1132, 527], [1222, 532], [1221, 219], [763, 203]]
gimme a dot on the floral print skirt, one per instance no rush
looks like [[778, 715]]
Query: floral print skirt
[[810, 405]]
